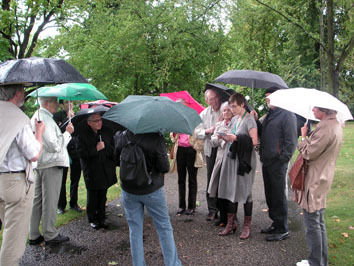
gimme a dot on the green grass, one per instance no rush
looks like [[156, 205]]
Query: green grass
[[340, 205]]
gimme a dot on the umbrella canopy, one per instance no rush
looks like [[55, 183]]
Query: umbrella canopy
[[83, 114], [188, 99], [148, 114], [302, 100], [222, 90], [38, 71], [70, 92], [97, 103], [252, 79]]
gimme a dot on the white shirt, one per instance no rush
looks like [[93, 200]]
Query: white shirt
[[23, 148]]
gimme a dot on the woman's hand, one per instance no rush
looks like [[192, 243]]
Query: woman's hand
[[229, 137]]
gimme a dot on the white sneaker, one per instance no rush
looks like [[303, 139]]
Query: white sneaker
[[303, 263]]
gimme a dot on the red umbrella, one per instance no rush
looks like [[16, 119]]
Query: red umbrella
[[97, 103], [188, 99]]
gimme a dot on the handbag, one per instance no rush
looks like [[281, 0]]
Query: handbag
[[297, 173]]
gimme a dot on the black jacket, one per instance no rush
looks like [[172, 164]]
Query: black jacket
[[154, 148], [98, 167], [243, 147], [279, 136]]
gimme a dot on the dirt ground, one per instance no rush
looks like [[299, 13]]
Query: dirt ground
[[197, 240]]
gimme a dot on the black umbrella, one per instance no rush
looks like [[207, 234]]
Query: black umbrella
[[38, 71], [79, 119], [252, 79], [225, 93], [221, 90]]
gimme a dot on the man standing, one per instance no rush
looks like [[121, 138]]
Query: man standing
[[49, 175], [321, 150], [18, 148], [209, 116], [62, 117], [278, 142]]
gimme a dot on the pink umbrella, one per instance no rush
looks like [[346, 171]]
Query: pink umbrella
[[188, 99], [97, 103]]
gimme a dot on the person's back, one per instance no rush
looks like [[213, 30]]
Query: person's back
[[152, 197]]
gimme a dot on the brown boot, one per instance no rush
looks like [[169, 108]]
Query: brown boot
[[246, 230], [230, 226]]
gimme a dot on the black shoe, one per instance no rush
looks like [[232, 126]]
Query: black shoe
[[76, 208], [220, 223], [103, 225], [268, 230], [212, 216], [95, 226], [277, 237], [190, 212], [60, 211], [57, 240], [36, 241], [180, 212]]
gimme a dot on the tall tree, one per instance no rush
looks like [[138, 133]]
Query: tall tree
[[23, 21]]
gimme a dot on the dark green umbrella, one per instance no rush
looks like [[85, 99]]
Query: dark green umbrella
[[148, 114]]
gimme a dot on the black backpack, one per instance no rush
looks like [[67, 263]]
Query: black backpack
[[133, 171]]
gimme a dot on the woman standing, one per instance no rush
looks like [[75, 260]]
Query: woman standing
[[185, 158], [321, 150], [238, 170], [221, 127]]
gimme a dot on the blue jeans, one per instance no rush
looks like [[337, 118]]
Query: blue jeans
[[316, 237], [156, 206]]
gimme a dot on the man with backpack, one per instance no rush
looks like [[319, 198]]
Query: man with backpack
[[143, 162]]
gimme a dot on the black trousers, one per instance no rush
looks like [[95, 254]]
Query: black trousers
[[96, 205], [210, 161], [185, 163], [75, 174], [274, 177]]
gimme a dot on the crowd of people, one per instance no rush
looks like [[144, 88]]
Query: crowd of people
[[233, 139]]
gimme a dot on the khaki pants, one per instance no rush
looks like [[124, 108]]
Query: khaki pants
[[45, 202], [15, 211]]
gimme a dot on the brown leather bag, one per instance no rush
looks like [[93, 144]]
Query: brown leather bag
[[297, 173]]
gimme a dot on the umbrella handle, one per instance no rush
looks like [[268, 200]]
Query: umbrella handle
[[39, 120]]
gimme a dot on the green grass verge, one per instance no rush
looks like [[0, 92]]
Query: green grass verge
[[340, 210]]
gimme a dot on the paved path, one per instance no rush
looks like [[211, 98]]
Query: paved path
[[197, 240]]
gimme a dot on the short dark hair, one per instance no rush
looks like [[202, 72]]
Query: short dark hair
[[238, 98], [272, 89], [7, 92]]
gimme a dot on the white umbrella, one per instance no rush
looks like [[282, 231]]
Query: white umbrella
[[302, 100]]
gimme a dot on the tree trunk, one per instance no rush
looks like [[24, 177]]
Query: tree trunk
[[332, 74], [323, 65]]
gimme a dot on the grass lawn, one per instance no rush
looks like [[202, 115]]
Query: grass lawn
[[340, 205]]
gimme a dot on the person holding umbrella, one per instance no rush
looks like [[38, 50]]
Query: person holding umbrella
[[18, 148], [321, 150], [49, 173], [96, 148]]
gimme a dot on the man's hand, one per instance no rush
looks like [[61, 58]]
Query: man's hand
[[304, 130], [255, 115], [70, 128], [100, 145], [40, 127]]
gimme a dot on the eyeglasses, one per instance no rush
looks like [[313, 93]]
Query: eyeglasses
[[95, 121]]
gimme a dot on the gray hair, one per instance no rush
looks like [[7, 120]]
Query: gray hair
[[224, 105], [327, 111], [9, 91], [44, 100]]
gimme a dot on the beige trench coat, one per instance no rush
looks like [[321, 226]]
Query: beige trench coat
[[321, 150]]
